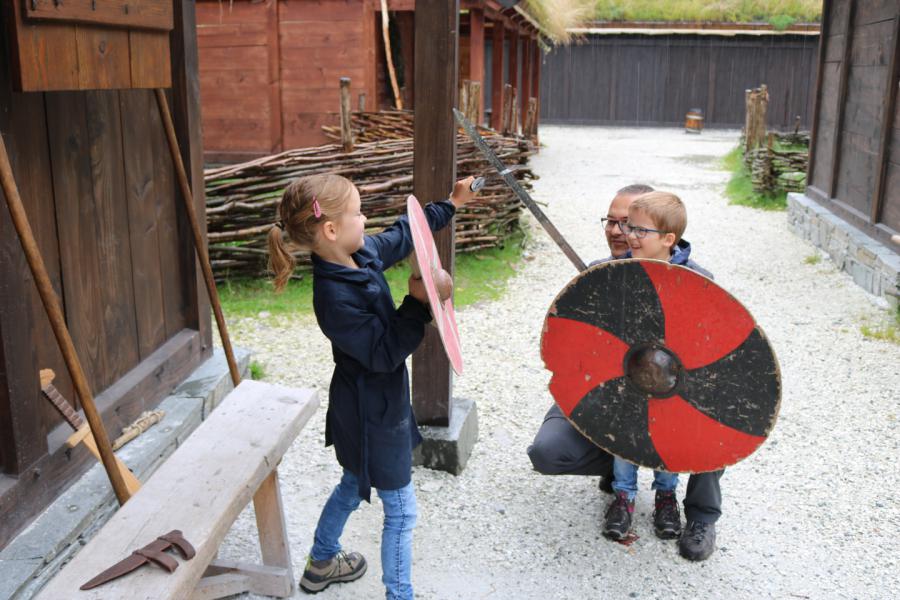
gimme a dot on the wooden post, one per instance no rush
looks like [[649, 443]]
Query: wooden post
[[507, 108], [531, 119], [514, 61], [536, 88], [476, 59], [817, 102], [473, 102], [497, 36], [346, 125], [361, 107], [434, 171], [525, 88], [514, 112]]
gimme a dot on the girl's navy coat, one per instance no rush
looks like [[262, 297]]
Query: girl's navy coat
[[369, 419]]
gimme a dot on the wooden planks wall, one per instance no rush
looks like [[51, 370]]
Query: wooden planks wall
[[95, 175], [655, 80], [856, 144]]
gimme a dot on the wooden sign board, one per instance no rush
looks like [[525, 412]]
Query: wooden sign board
[[89, 44]]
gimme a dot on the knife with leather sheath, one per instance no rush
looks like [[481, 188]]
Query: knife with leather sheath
[[154, 552]]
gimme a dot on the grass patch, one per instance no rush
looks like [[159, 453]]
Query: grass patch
[[740, 189], [480, 276], [813, 259], [889, 331], [780, 13], [257, 370]]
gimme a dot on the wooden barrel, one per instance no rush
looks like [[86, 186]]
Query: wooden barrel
[[693, 121]]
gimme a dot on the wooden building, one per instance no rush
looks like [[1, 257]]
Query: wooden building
[[270, 71], [634, 75], [854, 168], [90, 160]]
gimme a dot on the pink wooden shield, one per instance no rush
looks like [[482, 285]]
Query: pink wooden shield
[[429, 265]]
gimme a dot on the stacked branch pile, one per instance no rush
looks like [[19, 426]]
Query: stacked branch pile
[[241, 199]]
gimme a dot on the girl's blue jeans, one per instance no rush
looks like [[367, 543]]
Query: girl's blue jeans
[[625, 474], [396, 537]]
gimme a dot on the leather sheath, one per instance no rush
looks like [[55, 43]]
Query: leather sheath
[[154, 552]]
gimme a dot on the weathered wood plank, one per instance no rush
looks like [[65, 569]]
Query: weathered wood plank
[[146, 14], [44, 57], [103, 58], [246, 436], [150, 65]]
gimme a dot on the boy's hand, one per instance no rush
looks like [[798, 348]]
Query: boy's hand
[[462, 192], [417, 289]]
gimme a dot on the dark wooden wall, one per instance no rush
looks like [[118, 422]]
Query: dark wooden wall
[[97, 181], [855, 161], [655, 80]]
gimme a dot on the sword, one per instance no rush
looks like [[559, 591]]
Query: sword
[[506, 174]]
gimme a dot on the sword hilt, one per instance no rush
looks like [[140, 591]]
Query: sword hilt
[[59, 403]]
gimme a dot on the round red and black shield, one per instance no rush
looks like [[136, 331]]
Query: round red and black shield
[[660, 366]]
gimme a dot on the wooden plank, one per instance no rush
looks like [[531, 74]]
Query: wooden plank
[[497, 51], [525, 86], [353, 56], [143, 196], [369, 43], [302, 78], [146, 14], [232, 35], [69, 140], [321, 34], [150, 65], [312, 100], [250, 58], [104, 126], [322, 10], [872, 44], [873, 11], [476, 56], [890, 211], [434, 171], [33, 69], [247, 435], [185, 107], [888, 109], [303, 129], [103, 58], [276, 121], [841, 99], [855, 180], [214, 12], [273, 538], [824, 44]]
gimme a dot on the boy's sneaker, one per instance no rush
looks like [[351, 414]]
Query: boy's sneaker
[[605, 484], [319, 574], [698, 540], [666, 518], [618, 517]]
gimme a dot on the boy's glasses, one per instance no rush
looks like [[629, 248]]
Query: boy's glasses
[[639, 232]]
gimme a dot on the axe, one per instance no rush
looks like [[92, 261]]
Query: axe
[[82, 430]]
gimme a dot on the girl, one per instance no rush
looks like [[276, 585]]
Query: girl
[[369, 419]]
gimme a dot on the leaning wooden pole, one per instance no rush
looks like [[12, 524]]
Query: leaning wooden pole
[[202, 253], [385, 34], [58, 323]]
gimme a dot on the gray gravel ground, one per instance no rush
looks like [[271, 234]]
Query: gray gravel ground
[[813, 514]]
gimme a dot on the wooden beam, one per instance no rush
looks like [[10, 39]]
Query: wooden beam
[[513, 36], [476, 56], [887, 112], [525, 92], [817, 102], [273, 47], [434, 171], [842, 99], [536, 87], [498, 34]]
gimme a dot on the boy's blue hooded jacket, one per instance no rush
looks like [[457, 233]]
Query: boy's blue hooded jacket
[[370, 419], [681, 256]]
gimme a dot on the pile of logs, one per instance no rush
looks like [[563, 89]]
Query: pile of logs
[[376, 126], [241, 199]]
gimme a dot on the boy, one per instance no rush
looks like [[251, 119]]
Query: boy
[[655, 224]]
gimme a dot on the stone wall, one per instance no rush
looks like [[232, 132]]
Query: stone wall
[[873, 266]]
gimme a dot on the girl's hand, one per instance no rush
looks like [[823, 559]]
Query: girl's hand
[[462, 192], [417, 289]]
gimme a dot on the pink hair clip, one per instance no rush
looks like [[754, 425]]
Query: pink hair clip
[[317, 210]]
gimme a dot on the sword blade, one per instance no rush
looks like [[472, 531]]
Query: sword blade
[[513, 183], [62, 405]]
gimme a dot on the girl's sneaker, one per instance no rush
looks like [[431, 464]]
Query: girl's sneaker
[[342, 567], [666, 518]]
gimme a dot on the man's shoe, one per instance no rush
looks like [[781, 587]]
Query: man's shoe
[[666, 518], [698, 540], [618, 517], [319, 574]]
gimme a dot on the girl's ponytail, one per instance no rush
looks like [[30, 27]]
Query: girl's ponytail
[[281, 261]]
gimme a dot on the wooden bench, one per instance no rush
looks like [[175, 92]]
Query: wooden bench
[[201, 489]]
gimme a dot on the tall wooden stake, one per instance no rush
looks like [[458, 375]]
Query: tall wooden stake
[[58, 323], [346, 122], [199, 244], [434, 171], [385, 33]]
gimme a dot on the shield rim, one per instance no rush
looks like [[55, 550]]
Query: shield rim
[[442, 312]]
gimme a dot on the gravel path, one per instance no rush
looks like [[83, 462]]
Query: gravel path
[[810, 515]]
